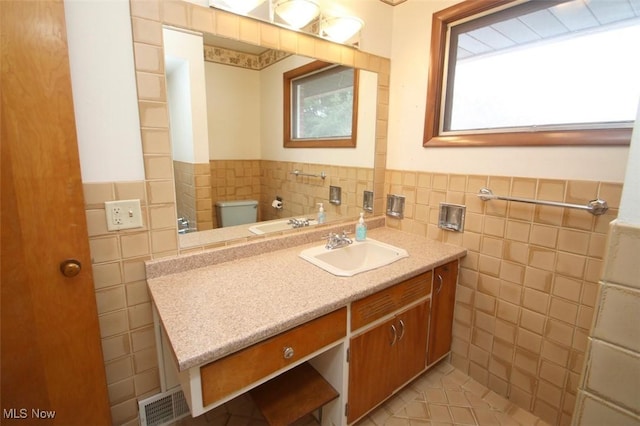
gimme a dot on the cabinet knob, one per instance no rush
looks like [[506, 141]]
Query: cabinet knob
[[287, 352]]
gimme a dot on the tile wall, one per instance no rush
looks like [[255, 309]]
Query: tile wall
[[193, 194], [233, 180], [124, 306], [529, 284], [609, 389], [264, 180]]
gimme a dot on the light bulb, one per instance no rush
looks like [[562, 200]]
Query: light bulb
[[342, 28], [297, 13]]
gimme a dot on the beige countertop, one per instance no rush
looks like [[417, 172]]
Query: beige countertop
[[212, 311]]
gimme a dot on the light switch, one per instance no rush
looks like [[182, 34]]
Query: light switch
[[123, 214]]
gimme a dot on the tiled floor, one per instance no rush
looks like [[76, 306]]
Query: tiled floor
[[441, 396]]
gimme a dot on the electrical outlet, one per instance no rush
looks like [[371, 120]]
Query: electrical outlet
[[123, 214]]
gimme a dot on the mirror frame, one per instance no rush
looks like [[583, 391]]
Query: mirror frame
[[148, 18]]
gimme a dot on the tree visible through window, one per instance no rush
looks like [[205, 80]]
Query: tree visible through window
[[320, 106]]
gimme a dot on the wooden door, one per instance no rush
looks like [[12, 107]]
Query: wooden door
[[411, 349], [51, 359], [445, 278], [371, 368]]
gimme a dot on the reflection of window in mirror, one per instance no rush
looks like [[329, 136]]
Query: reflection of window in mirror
[[533, 73], [320, 106]]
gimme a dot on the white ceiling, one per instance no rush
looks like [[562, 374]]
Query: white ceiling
[[560, 20]]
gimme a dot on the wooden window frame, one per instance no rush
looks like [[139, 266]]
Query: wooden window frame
[[432, 137], [290, 142]]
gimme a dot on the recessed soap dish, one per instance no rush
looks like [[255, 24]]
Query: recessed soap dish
[[451, 217]]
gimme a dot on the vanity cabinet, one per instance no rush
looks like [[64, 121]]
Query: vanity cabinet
[[387, 355], [239, 370], [445, 278]]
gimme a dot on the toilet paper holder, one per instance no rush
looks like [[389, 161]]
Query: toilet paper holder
[[277, 203]]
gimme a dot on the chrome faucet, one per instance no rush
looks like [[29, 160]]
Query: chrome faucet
[[337, 240], [298, 223]]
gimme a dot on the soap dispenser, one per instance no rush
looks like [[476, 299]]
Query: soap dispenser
[[321, 214], [361, 229]]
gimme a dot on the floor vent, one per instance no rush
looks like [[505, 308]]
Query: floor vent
[[163, 408]]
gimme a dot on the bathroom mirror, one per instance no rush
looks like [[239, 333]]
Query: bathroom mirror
[[248, 161], [240, 135]]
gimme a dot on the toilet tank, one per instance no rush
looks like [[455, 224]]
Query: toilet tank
[[232, 213]]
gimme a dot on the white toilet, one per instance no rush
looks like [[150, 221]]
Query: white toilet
[[232, 213]]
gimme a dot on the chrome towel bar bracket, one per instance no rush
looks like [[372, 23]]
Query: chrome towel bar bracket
[[595, 207]]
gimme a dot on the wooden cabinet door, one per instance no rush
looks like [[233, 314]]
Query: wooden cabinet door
[[443, 297], [371, 357], [411, 351]]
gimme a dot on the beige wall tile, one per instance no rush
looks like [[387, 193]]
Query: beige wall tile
[[567, 288], [554, 352], [618, 317], [529, 341], [623, 266], [551, 190], [143, 338], [563, 310], [137, 292], [121, 391], [536, 301], [571, 265], [147, 381], [508, 311], [115, 347], [146, 31], [516, 251], [110, 299], [148, 58], [134, 245], [140, 316], [107, 274], [96, 222], [95, 194], [614, 374], [119, 369], [592, 411], [533, 321], [145, 359], [113, 323], [156, 141], [151, 87], [125, 411]]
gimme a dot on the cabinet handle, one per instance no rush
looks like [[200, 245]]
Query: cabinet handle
[[401, 330], [395, 335], [287, 352], [440, 285]]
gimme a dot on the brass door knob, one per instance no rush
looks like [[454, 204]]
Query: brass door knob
[[70, 267]]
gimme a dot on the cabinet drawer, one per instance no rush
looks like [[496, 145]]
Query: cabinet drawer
[[234, 372], [384, 302]]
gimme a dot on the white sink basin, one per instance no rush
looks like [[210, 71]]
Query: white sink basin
[[360, 256], [275, 226]]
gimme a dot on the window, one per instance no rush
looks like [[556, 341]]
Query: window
[[320, 106], [533, 73]]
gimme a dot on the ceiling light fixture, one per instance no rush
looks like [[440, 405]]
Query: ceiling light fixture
[[341, 28], [297, 13]]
